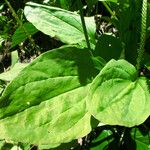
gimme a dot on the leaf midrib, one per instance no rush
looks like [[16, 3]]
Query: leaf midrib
[[5, 116]]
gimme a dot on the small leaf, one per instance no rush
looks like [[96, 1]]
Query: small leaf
[[20, 36], [102, 140], [118, 96], [142, 141], [62, 24]]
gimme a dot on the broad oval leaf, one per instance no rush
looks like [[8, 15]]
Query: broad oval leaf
[[46, 103], [62, 24], [118, 96]]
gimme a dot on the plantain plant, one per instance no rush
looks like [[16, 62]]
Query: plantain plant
[[89, 85]]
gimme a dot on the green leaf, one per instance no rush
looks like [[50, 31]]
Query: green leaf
[[142, 141], [20, 36], [118, 96], [102, 140], [46, 103], [108, 47], [59, 23], [13, 72]]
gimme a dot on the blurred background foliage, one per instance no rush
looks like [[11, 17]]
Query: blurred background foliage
[[124, 17]]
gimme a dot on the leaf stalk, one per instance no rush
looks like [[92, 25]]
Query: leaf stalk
[[84, 25]]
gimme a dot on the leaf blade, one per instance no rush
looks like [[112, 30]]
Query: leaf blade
[[49, 96], [115, 98], [59, 23]]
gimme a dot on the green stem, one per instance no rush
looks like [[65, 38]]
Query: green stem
[[20, 22], [84, 25], [109, 10], [143, 35]]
